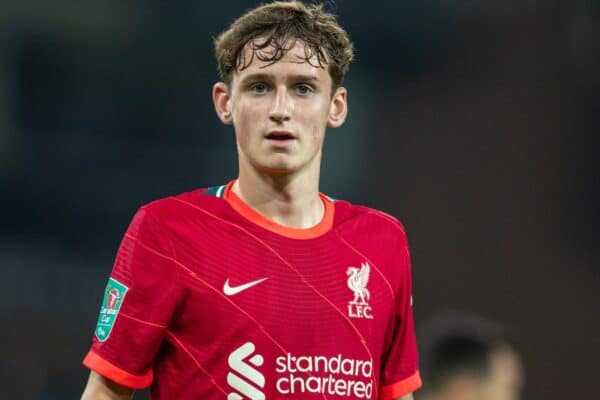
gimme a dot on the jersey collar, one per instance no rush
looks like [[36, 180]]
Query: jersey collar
[[293, 233]]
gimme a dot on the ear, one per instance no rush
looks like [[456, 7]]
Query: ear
[[222, 102], [338, 108]]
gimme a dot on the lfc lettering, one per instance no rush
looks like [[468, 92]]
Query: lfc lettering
[[360, 311]]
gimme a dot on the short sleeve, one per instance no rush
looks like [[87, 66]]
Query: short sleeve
[[138, 304], [400, 373]]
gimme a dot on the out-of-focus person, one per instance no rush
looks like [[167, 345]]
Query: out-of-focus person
[[466, 357]]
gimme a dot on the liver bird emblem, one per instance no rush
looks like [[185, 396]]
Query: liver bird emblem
[[357, 282]]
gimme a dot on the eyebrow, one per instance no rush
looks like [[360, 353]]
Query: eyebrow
[[268, 77]]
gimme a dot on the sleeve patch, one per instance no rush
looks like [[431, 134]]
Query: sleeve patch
[[111, 304]]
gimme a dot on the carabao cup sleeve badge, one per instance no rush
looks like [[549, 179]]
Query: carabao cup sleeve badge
[[111, 304]]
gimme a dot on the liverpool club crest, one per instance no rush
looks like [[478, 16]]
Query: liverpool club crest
[[357, 282]]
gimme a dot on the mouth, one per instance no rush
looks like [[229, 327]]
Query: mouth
[[280, 136]]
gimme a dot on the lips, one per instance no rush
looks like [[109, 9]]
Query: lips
[[280, 135]]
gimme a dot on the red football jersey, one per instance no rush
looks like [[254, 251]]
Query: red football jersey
[[208, 299]]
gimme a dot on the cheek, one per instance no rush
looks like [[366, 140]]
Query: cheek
[[243, 121], [318, 121]]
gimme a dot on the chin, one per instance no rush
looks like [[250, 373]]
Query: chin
[[277, 170], [278, 165]]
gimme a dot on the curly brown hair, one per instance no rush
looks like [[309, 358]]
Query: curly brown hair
[[279, 25]]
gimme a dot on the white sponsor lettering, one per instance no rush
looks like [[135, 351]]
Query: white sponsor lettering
[[337, 376], [242, 368]]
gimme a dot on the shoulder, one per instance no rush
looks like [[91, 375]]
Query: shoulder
[[200, 202], [376, 236], [367, 217]]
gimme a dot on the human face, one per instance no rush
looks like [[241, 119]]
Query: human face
[[280, 112]]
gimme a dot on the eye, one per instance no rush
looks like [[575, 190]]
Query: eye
[[259, 88], [304, 89]]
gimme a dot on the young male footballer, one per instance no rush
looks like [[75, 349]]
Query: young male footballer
[[263, 287]]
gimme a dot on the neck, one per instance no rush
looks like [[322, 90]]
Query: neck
[[290, 200]]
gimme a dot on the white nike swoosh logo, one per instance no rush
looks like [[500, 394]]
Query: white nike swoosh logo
[[232, 290]]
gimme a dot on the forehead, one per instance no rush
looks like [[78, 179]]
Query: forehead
[[268, 61]]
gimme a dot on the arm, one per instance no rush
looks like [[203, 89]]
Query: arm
[[100, 388], [406, 397], [146, 285]]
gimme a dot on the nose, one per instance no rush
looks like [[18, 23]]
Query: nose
[[282, 106]]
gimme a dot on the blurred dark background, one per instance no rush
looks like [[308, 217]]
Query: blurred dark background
[[475, 123]]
